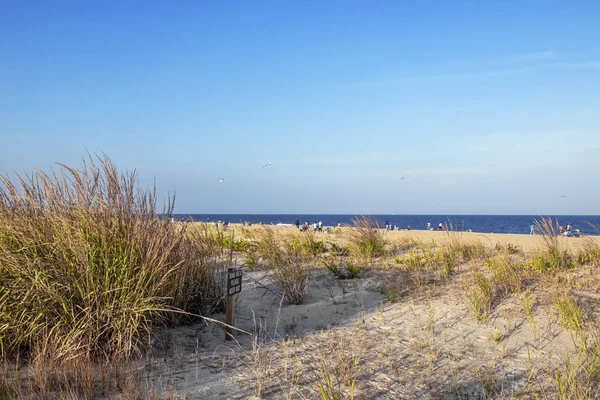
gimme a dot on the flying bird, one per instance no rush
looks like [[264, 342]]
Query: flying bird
[[220, 179], [563, 195], [266, 165], [402, 178]]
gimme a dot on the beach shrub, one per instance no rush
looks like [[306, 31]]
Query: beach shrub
[[333, 263], [589, 252], [553, 255], [306, 244], [88, 268], [455, 243], [570, 314], [367, 238], [230, 243], [354, 267], [507, 275], [428, 258], [481, 296], [341, 266], [286, 265]]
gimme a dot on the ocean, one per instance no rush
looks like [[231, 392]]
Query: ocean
[[588, 224]]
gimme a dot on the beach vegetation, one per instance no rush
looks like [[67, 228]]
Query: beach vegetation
[[554, 254], [89, 269], [307, 244], [507, 274], [230, 243], [367, 239], [286, 265], [481, 296], [570, 314], [589, 252]]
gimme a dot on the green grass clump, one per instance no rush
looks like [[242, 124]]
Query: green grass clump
[[570, 314], [367, 239], [287, 266], [88, 268], [237, 245], [589, 252], [507, 275], [455, 243], [421, 258], [306, 244], [554, 255], [481, 296]]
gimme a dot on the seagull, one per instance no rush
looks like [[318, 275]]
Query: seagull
[[403, 178], [266, 165], [563, 195], [220, 179]]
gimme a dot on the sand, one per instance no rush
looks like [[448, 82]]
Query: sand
[[426, 345], [527, 243]]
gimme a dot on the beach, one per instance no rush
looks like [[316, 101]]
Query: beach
[[393, 331], [528, 243], [367, 313]]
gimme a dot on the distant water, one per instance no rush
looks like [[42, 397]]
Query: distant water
[[477, 223]]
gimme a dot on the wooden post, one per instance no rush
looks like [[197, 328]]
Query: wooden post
[[229, 318], [234, 286]]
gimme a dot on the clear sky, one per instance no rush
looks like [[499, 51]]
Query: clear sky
[[484, 107]]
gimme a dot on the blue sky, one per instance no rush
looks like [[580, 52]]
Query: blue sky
[[484, 107]]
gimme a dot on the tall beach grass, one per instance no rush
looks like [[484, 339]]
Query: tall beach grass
[[88, 269]]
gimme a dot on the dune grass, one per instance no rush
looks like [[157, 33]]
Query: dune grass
[[367, 238], [286, 258], [88, 269], [554, 255]]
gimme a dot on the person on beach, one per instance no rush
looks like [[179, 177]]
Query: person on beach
[[428, 225], [440, 227], [531, 229], [298, 223], [320, 226]]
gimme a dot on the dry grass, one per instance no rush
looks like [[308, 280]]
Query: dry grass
[[288, 266], [88, 269], [481, 296], [507, 275], [570, 313], [114, 259], [554, 255], [367, 239], [456, 245], [589, 252]]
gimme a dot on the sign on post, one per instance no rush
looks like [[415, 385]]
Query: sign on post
[[234, 286], [234, 281]]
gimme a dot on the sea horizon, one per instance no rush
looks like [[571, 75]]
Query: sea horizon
[[482, 223]]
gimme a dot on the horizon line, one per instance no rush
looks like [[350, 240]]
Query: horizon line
[[396, 214]]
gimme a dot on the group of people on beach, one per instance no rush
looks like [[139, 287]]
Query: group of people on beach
[[315, 226], [440, 227], [393, 227], [566, 230]]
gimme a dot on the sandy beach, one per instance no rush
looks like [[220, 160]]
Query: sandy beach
[[423, 343], [528, 243]]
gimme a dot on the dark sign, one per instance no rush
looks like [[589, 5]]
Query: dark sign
[[234, 281]]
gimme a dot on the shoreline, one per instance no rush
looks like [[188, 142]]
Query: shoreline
[[527, 242]]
